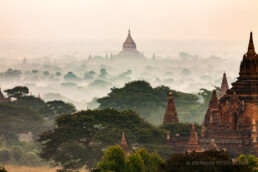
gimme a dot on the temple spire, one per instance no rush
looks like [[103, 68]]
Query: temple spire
[[129, 42], [193, 141], [170, 116], [124, 145], [193, 137], [168, 136], [214, 104], [251, 45], [123, 141], [224, 86]]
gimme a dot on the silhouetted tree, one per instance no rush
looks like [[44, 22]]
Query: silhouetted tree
[[17, 92]]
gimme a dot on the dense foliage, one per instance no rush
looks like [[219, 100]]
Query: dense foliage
[[16, 120], [22, 119], [141, 161], [88, 132], [151, 103], [57, 107], [17, 92], [250, 160]]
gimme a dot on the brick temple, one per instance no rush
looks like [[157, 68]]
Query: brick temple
[[230, 122], [233, 121], [170, 116]]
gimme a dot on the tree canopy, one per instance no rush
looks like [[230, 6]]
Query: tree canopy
[[57, 107], [91, 131], [151, 103], [17, 92], [139, 161], [15, 120]]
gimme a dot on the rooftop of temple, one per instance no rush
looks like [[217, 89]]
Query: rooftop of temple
[[129, 47], [224, 86], [247, 82]]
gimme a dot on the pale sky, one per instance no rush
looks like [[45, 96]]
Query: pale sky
[[110, 19]]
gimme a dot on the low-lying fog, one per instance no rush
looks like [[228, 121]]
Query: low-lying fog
[[78, 72]]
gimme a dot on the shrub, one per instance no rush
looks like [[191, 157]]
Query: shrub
[[17, 152], [29, 159], [4, 155]]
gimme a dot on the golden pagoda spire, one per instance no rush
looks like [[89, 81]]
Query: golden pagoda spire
[[129, 42]]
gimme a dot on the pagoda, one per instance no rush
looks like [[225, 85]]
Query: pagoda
[[193, 141], [129, 47], [170, 116], [234, 125], [2, 97], [224, 86], [212, 110], [124, 145]]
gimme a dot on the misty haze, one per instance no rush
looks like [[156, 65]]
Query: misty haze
[[128, 86]]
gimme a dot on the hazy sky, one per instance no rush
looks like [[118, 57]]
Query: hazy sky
[[110, 19]]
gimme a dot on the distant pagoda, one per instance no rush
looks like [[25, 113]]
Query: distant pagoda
[[170, 116], [124, 145], [129, 47], [2, 97], [224, 86]]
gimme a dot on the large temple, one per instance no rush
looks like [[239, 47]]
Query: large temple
[[230, 122], [129, 48], [233, 121]]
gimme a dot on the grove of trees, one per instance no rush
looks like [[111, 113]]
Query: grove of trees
[[151, 103]]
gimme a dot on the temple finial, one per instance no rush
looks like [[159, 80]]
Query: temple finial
[[123, 141], [251, 45], [168, 136], [170, 95], [224, 86], [193, 127]]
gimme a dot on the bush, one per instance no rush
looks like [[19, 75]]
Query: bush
[[4, 155], [17, 152], [29, 159]]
